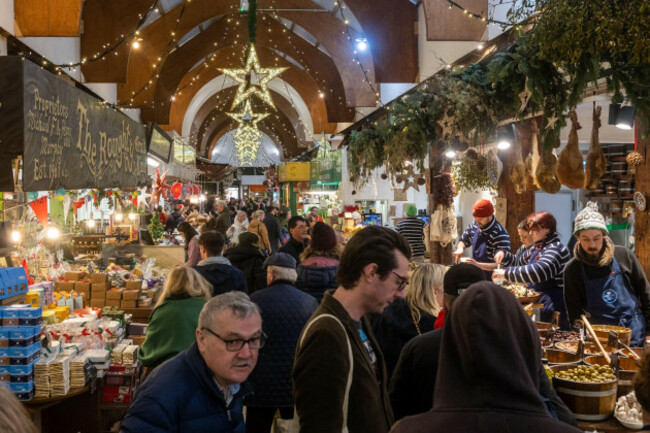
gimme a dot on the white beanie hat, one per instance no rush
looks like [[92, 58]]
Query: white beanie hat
[[590, 219]]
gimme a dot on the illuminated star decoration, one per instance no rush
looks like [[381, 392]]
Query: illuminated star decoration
[[246, 79], [446, 124], [248, 137], [247, 118], [160, 187]]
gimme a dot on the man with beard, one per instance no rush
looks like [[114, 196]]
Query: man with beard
[[605, 281]]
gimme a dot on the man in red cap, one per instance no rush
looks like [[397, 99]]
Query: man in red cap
[[485, 235]]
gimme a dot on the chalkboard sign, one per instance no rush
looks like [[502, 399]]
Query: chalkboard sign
[[69, 138], [160, 144]]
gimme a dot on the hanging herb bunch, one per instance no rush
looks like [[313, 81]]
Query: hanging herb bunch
[[102, 194], [472, 173]]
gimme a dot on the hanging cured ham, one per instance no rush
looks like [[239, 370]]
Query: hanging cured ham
[[532, 160], [518, 171], [570, 164], [546, 173], [596, 161]]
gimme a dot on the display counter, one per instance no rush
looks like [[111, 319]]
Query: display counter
[[166, 256]]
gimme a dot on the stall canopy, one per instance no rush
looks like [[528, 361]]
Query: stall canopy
[[67, 137]]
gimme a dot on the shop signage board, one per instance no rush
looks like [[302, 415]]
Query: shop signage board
[[68, 138], [160, 144], [326, 169], [294, 171]]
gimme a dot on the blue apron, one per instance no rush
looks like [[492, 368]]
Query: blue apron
[[552, 297], [610, 302], [479, 250]]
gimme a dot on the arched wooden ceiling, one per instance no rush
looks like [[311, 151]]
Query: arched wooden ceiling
[[326, 65], [181, 61], [211, 120]]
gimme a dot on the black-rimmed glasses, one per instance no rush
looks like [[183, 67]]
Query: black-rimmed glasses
[[403, 281], [236, 344]]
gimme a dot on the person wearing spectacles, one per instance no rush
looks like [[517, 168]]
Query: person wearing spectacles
[[372, 273], [201, 390], [285, 311]]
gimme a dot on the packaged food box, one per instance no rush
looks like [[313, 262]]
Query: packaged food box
[[5, 377], [99, 286], [99, 278], [97, 303], [24, 360], [98, 294], [25, 396], [128, 304], [82, 286], [74, 275], [23, 351], [29, 322], [130, 295], [22, 386], [112, 302], [117, 394], [114, 294], [21, 369], [33, 299], [134, 285], [21, 332], [64, 286], [23, 377]]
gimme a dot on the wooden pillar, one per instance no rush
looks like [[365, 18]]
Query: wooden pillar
[[518, 206], [642, 183]]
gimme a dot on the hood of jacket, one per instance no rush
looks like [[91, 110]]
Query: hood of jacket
[[243, 226], [217, 274], [319, 262], [490, 354], [603, 259], [214, 260], [241, 253]]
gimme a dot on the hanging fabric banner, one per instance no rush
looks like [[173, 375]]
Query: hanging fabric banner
[[67, 202], [39, 207]]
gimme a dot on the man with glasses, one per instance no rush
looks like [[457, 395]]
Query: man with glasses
[[372, 273], [201, 389], [285, 310]]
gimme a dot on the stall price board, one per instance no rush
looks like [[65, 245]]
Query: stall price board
[[67, 137]]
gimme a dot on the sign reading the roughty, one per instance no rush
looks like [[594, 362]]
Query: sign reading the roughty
[[69, 138]]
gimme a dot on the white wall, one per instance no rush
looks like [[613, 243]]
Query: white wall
[[7, 15], [57, 50]]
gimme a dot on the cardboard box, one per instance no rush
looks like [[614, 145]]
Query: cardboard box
[[98, 294], [99, 286], [130, 295], [64, 286], [114, 294], [134, 285], [137, 272], [82, 286], [99, 278], [128, 304], [74, 276], [97, 303], [112, 302]]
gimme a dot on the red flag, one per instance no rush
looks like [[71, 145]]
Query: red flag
[[39, 206]]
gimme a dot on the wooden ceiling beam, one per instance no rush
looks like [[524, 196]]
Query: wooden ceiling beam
[[47, 18]]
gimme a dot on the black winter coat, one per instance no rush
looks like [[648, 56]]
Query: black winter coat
[[173, 220], [285, 311], [250, 261], [395, 327], [294, 248], [488, 377], [315, 276], [224, 278]]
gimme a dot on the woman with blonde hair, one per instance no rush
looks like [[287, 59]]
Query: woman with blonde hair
[[13, 416], [173, 323], [407, 318]]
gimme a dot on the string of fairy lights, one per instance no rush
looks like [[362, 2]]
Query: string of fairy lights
[[140, 97]]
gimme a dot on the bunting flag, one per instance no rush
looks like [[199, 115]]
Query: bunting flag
[[39, 206], [77, 204]]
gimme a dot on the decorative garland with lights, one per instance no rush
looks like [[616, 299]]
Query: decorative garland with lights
[[528, 78]]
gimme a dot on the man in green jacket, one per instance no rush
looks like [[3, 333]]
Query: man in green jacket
[[372, 273]]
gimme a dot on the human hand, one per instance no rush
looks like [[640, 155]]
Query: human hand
[[458, 254], [499, 256]]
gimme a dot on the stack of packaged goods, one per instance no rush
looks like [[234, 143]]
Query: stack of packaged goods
[[100, 359], [130, 355], [20, 347], [60, 375], [78, 376], [121, 379], [42, 384]]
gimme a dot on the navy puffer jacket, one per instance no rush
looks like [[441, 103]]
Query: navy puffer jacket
[[181, 395], [285, 311], [316, 275]]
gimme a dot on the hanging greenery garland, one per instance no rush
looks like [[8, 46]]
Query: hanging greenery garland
[[252, 20], [561, 53]]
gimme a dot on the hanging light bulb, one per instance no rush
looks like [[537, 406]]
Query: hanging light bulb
[[15, 236], [90, 223], [132, 216], [451, 154], [119, 217]]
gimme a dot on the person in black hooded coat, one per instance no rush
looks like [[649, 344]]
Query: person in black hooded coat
[[488, 373], [248, 258]]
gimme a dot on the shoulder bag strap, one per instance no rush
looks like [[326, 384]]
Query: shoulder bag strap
[[349, 383]]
